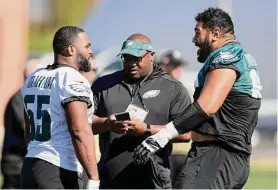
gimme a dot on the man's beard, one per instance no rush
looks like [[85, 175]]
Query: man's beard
[[204, 51], [85, 64]]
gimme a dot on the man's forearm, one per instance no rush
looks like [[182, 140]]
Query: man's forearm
[[192, 117], [142, 130], [99, 125], [156, 128], [186, 137], [84, 145], [181, 138], [82, 137]]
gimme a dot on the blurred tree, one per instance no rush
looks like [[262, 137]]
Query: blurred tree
[[61, 12]]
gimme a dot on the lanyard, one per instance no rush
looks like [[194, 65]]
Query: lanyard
[[135, 92], [141, 99]]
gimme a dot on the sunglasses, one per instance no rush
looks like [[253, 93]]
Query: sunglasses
[[132, 59]]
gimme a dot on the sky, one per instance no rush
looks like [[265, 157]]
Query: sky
[[170, 25]]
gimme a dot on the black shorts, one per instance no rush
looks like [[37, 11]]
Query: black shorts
[[213, 165], [40, 174], [176, 163]]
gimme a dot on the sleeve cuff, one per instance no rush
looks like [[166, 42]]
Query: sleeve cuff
[[77, 98]]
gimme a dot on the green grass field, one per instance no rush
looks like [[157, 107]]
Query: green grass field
[[262, 178]]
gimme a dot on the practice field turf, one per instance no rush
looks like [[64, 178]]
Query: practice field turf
[[261, 178], [263, 174]]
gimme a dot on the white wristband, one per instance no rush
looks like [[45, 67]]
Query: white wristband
[[93, 184], [166, 134], [172, 131]]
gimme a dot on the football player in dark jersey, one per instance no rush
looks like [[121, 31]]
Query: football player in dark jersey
[[223, 115]]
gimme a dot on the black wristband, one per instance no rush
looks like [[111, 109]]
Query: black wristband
[[148, 130], [192, 117]]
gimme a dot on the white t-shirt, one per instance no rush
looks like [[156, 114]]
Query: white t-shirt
[[45, 92]]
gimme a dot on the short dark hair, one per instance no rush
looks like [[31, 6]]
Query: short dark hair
[[215, 17], [64, 37]]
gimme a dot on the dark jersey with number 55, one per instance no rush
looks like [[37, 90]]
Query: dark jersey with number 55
[[237, 118], [45, 93]]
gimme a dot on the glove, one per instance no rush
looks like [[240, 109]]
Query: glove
[[92, 184], [153, 144], [145, 150]]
